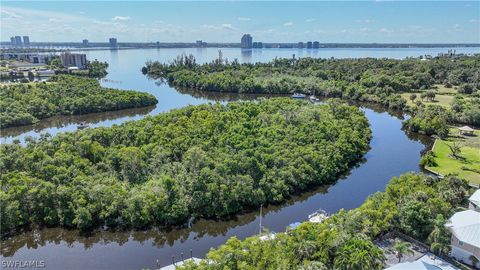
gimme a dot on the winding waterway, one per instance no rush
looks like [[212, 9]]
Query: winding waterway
[[392, 153]]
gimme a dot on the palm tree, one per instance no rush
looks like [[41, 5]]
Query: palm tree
[[402, 248], [439, 238], [359, 254], [474, 260]]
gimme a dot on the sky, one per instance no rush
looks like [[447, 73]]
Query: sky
[[272, 21]]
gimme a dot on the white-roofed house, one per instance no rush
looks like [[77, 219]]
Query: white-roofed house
[[465, 229], [475, 201]]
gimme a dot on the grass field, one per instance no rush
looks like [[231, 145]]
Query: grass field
[[469, 166], [443, 100], [444, 96]]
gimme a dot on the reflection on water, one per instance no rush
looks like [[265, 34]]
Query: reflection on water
[[74, 120], [392, 153], [159, 237]]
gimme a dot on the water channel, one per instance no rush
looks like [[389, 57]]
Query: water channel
[[393, 152]]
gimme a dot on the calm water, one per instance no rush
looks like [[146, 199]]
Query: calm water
[[392, 153], [124, 73]]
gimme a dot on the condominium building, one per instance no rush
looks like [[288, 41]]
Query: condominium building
[[26, 41], [78, 60], [247, 41], [113, 43]]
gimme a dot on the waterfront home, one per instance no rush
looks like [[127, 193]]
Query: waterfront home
[[426, 262], [465, 229], [474, 201]]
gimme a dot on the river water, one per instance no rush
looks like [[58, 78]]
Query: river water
[[392, 153]]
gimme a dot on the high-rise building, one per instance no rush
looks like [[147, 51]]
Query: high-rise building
[[309, 45], [78, 60], [316, 44], [246, 42], [85, 43], [12, 42], [257, 45], [26, 41], [18, 41], [113, 43], [300, 45]]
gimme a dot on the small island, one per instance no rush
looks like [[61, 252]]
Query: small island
[[27, 103], [207, 161]]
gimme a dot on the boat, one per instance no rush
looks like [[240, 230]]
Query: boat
[[318, 216], [314, 99], [298, 95], [82, 125], [174, 265], [267, 237]]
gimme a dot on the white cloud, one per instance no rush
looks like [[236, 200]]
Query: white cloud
[[121, 18], [457, 27], [385, 30], [343, 31], [9, 14], [310, 20], [223, 26], [53, 20], [288, 24], [364, 29], [474, 20], [366, 21], [228, 26], [243, 19]]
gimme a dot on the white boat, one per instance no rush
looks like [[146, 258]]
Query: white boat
[[298, 95], [318, 216], [82, 125], [267, 237], [174, 265], [313, 98]]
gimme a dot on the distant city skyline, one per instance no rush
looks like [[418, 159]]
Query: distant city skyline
[[326, 22]]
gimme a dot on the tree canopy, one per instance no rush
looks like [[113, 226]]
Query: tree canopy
[[414, 204], [23, 104], [366, 79], [199, 161]]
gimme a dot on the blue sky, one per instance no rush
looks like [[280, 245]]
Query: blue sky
[[354, 21]]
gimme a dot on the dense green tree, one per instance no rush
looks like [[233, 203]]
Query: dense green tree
[[337, 243], [63, 95], [367, 79], [200, 161]]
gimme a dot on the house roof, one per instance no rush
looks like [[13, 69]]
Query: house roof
[[465, 226], [424, 263], [475, 198], [466, 128]]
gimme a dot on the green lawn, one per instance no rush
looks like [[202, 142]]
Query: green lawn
[[443, 100], [469, 166], [444, 96]]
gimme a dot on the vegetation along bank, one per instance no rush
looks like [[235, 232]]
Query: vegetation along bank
[[198, 161], [422, 86], [24, 104], [415, 204]]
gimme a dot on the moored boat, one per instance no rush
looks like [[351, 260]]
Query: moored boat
[[82, 125], [318, 216], [298, 95]]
